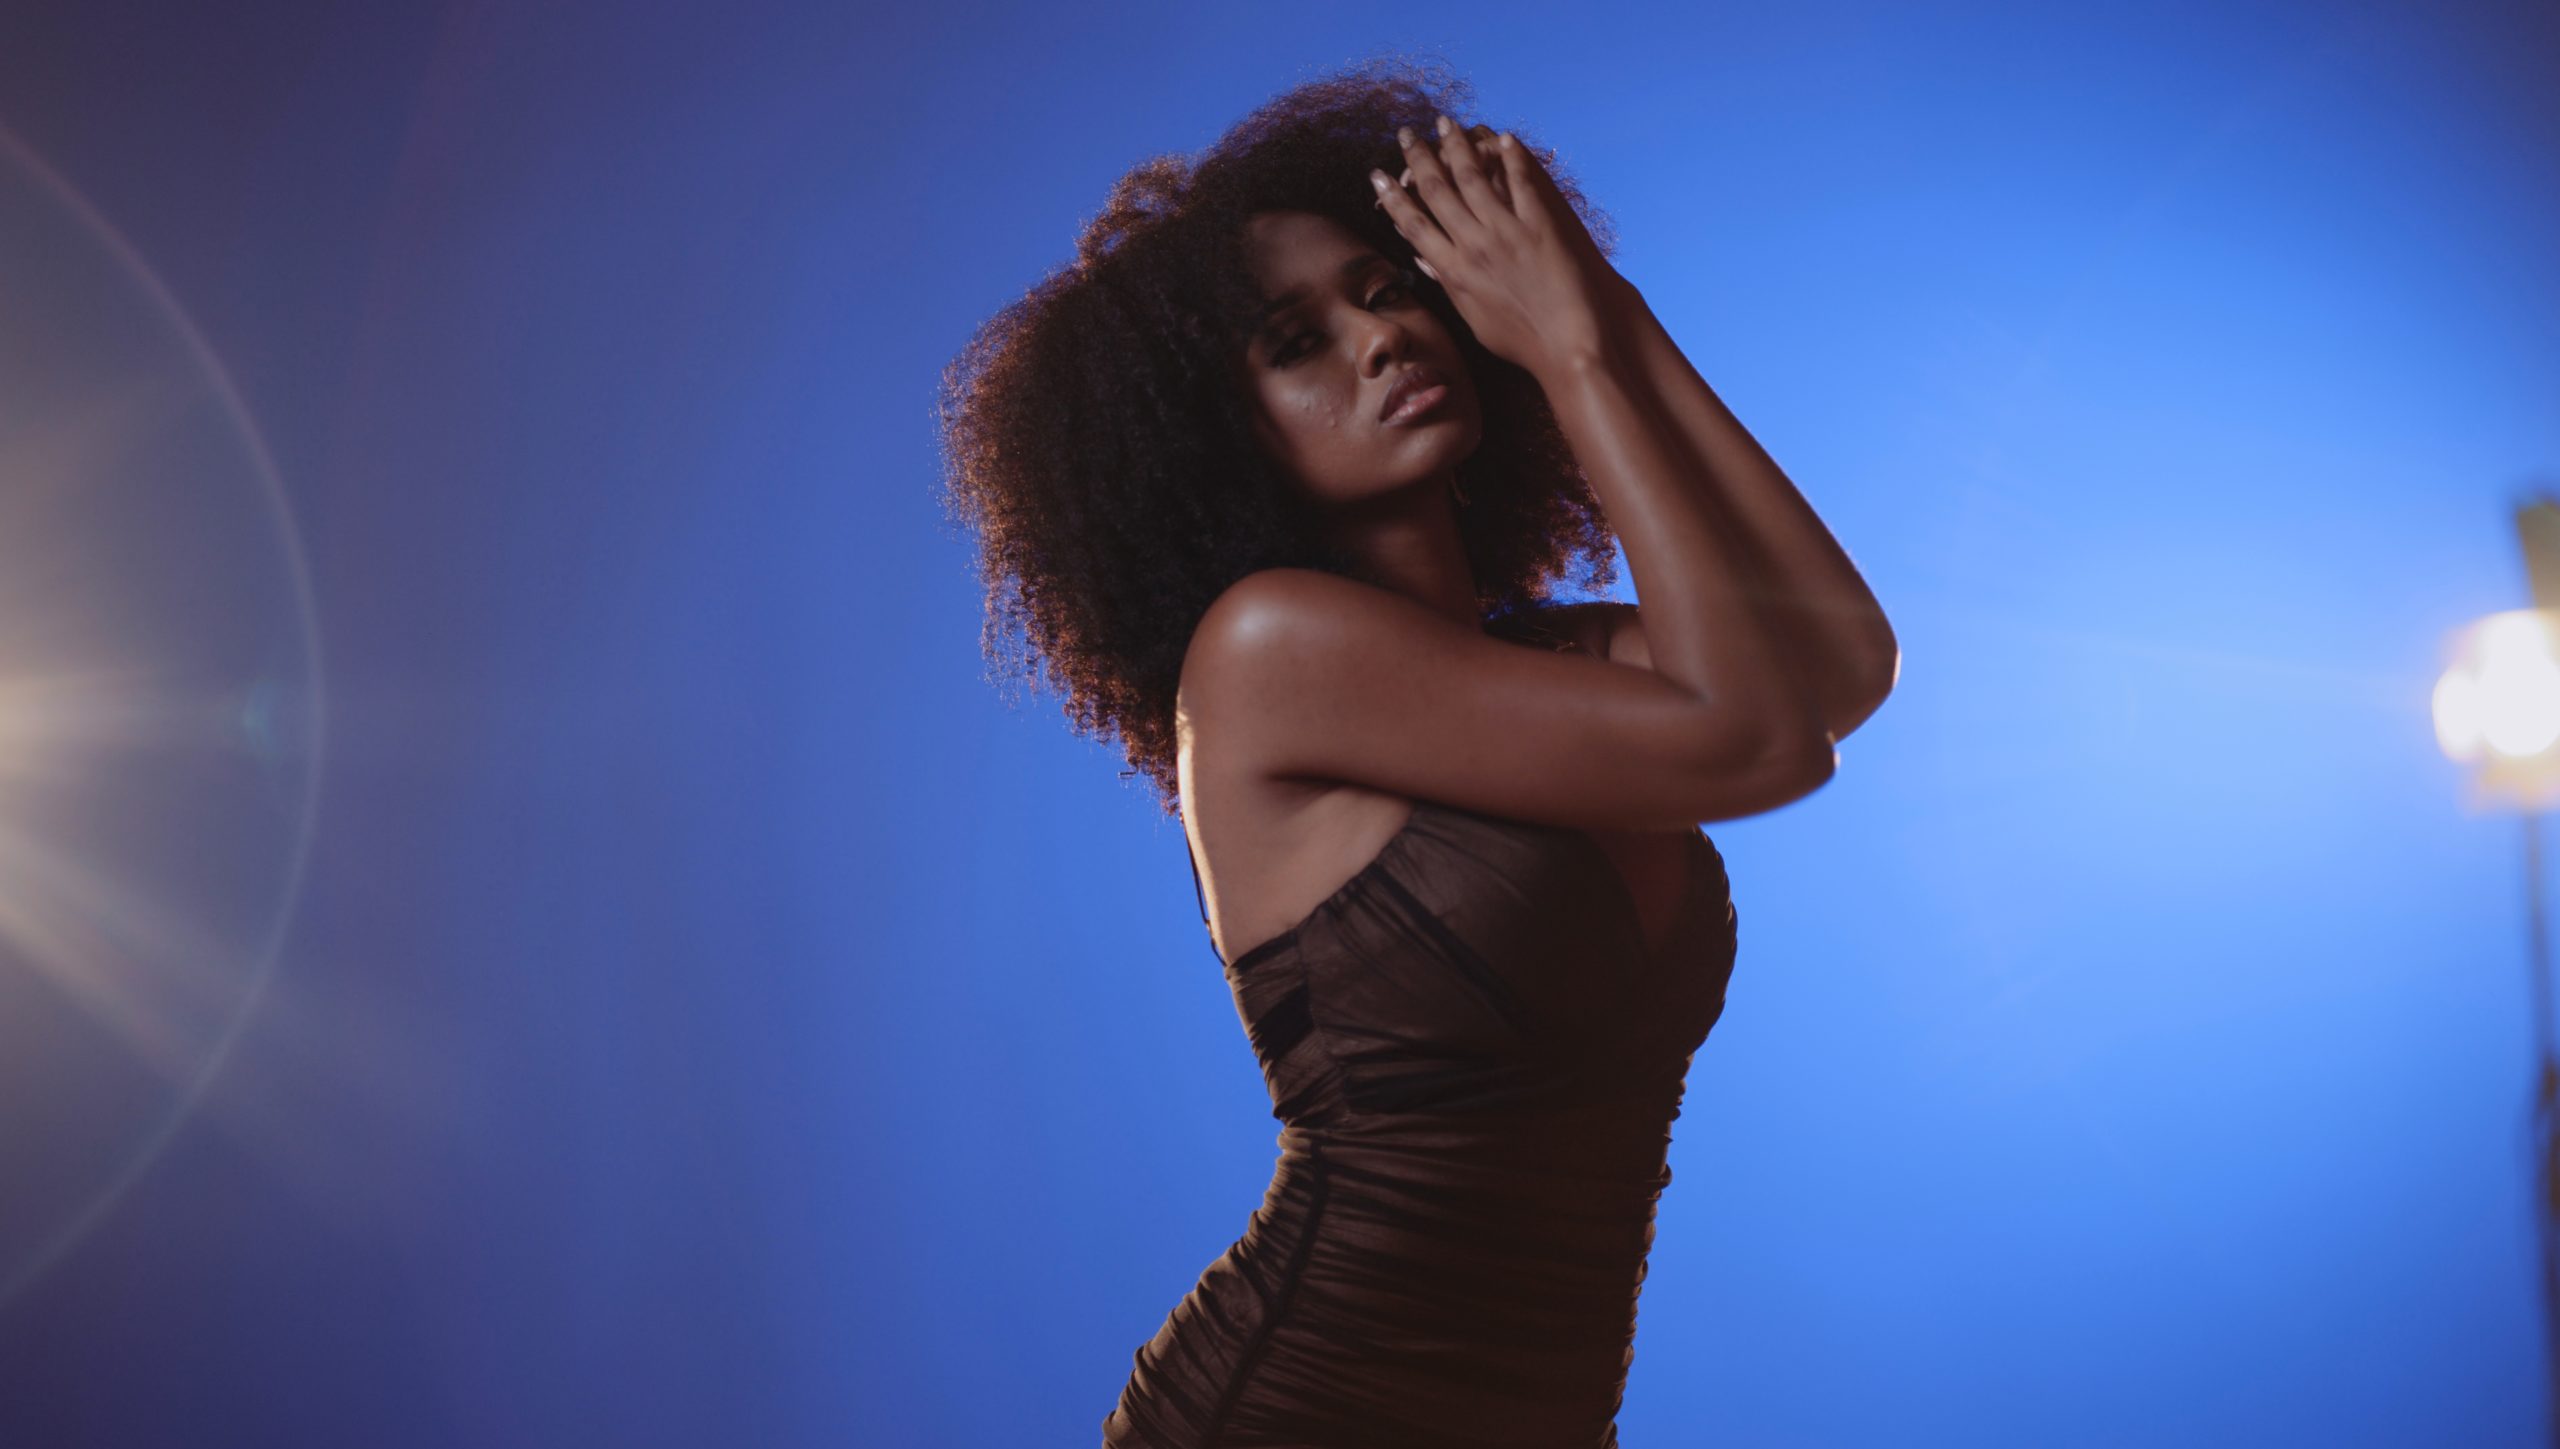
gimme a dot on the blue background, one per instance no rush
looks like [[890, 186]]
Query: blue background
[[713, 1017]]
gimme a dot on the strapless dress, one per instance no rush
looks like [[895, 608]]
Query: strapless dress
[[1476, 1058]]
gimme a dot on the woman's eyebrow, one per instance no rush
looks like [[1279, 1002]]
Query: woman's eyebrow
[[1290, 298]]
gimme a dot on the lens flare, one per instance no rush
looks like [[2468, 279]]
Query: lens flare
[[159, 718]]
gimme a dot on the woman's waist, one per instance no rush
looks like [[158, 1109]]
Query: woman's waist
[[1559, 1167]]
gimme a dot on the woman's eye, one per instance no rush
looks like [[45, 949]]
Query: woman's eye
[[1288, 351]]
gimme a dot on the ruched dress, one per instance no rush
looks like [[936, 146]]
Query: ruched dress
[[1476, 1058]]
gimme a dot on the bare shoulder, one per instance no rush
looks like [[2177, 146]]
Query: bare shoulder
[[1313, 709], [1212, 659], [1303, 676], [1271, 598], [1293, 598], [1297, 611], [1268, 846]]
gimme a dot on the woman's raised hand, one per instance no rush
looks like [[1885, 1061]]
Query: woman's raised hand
[[1492, 229], [1486, 142]]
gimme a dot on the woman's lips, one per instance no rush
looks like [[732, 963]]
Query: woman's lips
[[1421, 400], [1408, 382]]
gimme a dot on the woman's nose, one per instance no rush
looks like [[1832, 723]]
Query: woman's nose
[[1384, 338]]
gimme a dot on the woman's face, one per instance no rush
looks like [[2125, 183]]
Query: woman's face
[[1349, 325]]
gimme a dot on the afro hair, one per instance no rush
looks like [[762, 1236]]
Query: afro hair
[[1097, 443]]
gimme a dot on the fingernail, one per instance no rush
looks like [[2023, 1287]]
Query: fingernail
[[1378, 179], [1446, 125], [1405, 134]]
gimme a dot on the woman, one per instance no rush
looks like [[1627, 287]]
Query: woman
[[1274, 477]]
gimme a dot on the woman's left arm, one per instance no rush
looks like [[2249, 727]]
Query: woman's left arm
[[1808, 591]]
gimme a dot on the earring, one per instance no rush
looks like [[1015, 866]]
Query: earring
[[1456, 492]]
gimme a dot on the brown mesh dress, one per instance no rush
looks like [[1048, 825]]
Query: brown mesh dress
[[1476, 1058]]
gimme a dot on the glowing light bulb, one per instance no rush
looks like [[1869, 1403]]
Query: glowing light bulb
[[2502, 694], [2519, 687]]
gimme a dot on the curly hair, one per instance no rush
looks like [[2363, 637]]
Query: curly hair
[[1095, 438]]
